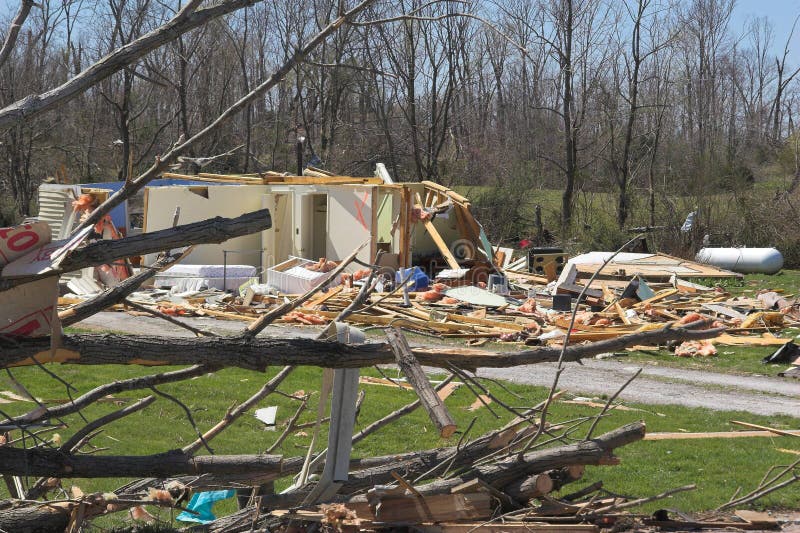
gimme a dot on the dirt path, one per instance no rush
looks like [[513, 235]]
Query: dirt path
[[656, 384]]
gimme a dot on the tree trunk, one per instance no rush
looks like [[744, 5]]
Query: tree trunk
[[54, 463], [261, 352]]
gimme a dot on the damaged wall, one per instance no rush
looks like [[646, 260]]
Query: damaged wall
[[199, 203]]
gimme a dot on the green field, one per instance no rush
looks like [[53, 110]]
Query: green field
[[647, 467], [718, 467]]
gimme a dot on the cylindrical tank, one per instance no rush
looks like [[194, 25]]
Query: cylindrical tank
[[744, 260]]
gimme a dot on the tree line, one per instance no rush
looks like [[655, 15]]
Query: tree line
[[638, 99]]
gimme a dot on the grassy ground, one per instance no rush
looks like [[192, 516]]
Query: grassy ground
[[718, 467]]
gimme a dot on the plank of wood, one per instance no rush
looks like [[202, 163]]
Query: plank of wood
[[447, 390], [660, 295], [479, 402], [443, 249], [713, 435], [756, 517], [322, 297], [772, 318], [369, 380], [478, 485], [766, 428], [750, 340], [484, 322], [383, 320], [411, 368], [439, 507], [439, 241], [224, 315]]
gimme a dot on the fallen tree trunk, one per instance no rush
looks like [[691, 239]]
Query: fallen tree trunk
[[538, 485], [214, 230], [499, 474], [26, 518], [54, 463], [261, 352]]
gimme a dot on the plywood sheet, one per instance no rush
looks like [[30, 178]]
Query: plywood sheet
[[649, 266]]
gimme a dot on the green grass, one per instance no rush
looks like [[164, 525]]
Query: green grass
[[718, 467], [742, 360]]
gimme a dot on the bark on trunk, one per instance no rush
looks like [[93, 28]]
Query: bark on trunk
[[33, 519], [419, 380], [54, 463], [261, 352], [592, 452], [214, 230]]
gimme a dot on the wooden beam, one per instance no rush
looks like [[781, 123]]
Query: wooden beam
[[439, 241]]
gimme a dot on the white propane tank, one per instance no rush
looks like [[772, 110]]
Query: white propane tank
[[743, 260]]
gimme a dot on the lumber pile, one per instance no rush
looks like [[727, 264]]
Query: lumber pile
[[525, 316]]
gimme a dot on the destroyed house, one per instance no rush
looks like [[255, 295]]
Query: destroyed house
[[313, 217]]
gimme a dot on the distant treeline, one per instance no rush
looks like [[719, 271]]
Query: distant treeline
[[641, 100]]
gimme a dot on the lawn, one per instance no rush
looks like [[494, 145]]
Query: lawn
[[718, 467]]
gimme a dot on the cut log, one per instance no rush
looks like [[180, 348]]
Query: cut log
[[53, 463], [261, 352], [538, 485], [534, 486], [419, 380], [26, 518]]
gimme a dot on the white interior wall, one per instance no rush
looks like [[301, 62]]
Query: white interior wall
[[350, 221], [223, 200]]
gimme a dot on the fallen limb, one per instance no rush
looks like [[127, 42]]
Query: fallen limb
[[411, 368], [233, 414], [22, 517], [261, 352], [54, 463], [596, 451], [214, 230], [84, 434], [143, 382], [116, 294]]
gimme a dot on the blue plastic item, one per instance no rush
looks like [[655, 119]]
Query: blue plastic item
[[418, 281], [201, 503]]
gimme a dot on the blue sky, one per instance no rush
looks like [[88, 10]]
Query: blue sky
[[781, 13]]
